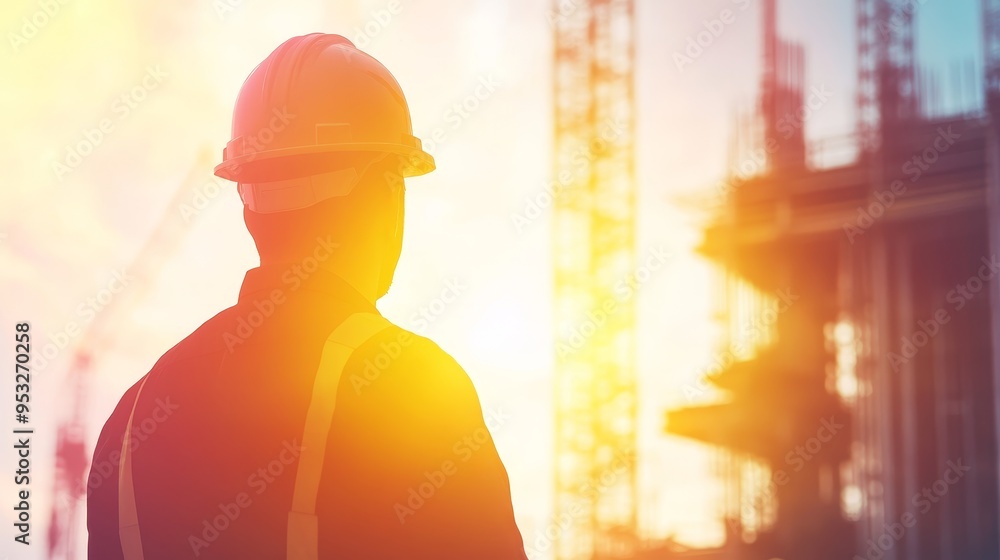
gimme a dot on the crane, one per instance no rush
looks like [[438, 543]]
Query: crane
[[72, 459], [594, 250]]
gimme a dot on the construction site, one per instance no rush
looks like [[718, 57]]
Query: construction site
[[859, 418]]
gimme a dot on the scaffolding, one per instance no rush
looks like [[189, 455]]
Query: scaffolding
[[594, 252], [875, 250]]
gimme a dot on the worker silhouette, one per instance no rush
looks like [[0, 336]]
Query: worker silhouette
[[299, 424]]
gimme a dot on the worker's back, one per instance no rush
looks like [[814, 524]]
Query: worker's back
[[410, 469]]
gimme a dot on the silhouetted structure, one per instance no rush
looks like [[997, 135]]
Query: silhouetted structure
[[860, 417], [594, 251]]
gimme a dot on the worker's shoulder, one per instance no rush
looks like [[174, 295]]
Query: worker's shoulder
[[400, 347], [205, 340], [192, 345], [407, 357]]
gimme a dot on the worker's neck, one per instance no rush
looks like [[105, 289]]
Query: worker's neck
[[364, 278]]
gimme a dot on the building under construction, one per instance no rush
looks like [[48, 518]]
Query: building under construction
[[860, 418], [860, 383]]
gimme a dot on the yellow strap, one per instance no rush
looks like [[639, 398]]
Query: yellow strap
[[303, 532], [128, 517]]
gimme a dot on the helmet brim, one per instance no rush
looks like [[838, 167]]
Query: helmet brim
[[254, 166]]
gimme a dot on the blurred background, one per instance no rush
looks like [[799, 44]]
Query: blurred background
[[722, 271]]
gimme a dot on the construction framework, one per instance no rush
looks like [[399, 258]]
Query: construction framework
[[868, 270], [887, 88], [594, 252], [888, 102]]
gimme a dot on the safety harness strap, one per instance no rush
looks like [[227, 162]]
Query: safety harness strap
[[303, 526], [128, 517]]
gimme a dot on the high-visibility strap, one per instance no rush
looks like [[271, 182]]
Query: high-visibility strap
[[303, 526], [128, 517]]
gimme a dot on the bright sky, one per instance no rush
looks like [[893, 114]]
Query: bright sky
[[63, 234]]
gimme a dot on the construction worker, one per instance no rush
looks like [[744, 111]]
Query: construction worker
[[299, 424]]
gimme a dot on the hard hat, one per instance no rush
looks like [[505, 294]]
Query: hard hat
[[312, 115]]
